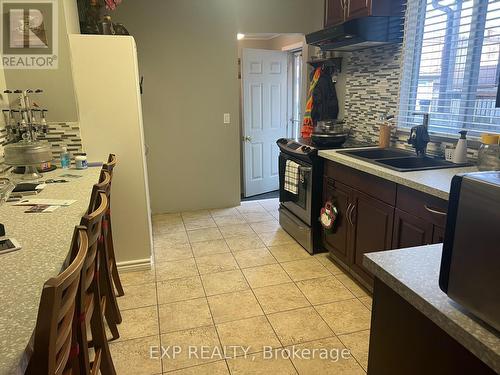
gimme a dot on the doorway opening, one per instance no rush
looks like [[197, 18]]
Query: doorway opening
[[273, 73]]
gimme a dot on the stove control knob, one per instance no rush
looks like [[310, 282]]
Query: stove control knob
[[282, 141], [306, 149]]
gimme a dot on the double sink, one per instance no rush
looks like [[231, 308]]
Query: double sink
[[400, 160]]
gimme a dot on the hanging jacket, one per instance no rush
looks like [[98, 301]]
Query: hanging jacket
[[325, 103]]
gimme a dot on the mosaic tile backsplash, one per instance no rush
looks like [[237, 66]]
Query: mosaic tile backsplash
[[60, 135], [372, 79]]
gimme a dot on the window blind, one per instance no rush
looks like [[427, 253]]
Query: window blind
[[450, 65]]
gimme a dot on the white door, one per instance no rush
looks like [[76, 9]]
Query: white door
[[264, 117]]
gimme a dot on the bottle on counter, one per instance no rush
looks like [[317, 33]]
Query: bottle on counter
[[81, 161], [460, 154], [65, 158], [489, 153]]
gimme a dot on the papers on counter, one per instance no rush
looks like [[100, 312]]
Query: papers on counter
[[45, 202], [39, 208]]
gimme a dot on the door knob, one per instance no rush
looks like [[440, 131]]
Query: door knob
[[247, 139]]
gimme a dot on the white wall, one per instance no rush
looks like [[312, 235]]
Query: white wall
[[188, 56]]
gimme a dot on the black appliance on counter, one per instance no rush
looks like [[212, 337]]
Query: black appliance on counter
[[470, 264], [299, 213]]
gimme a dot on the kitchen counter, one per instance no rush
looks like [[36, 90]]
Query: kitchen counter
[[45, 239], [435, 182], [413, 274]]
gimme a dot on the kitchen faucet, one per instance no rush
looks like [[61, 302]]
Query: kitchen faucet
[[419, 135]]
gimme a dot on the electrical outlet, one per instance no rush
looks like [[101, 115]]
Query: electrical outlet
[[227, 118]]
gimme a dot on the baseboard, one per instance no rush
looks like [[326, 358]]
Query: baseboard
[[134, 265]]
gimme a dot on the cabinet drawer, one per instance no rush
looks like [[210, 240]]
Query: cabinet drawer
[[424, 206], [374, 186]]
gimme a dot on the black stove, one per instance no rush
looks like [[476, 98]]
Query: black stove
[[299, 213]]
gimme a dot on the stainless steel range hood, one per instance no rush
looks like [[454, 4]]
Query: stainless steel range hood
[[359, 34]]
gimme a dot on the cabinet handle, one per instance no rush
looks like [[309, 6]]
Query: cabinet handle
[[431, 210], [348, 213]]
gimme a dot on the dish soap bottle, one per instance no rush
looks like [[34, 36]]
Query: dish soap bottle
[[65, 159], [460, 155]]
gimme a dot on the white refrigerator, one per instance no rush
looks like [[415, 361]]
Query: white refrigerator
[[106, 79]]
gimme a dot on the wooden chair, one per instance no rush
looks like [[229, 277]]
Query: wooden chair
[[91, 303], [109, 166], [112, 313], [55, 344]]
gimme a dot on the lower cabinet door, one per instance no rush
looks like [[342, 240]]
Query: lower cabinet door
[[438, 235], [373, 224], [410, 231], [337, 239]]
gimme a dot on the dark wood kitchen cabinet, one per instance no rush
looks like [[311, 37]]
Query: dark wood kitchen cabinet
[[375, 215], [339, 11]]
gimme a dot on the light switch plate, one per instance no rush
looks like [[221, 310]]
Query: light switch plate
[[227, 118]]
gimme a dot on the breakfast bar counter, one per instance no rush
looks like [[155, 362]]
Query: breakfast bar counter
[[45, 239], [416, 327]]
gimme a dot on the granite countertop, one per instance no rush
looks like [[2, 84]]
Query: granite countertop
[[414, 273], [436, 182], [45, 239]]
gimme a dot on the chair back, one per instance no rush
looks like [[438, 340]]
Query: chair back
[[54, 338], [111, 163]]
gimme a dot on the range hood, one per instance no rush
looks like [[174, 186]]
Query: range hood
[[359, 34]]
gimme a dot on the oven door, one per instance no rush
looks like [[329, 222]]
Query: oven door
[[299, 204]]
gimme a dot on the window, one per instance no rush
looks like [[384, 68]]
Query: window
[[451, 65]]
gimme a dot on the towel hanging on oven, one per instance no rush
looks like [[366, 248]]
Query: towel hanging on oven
[[292, 177]]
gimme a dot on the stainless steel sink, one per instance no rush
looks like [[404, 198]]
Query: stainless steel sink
[[400, 160]]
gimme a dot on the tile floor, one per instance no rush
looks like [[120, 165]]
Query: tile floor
[[234, 277]]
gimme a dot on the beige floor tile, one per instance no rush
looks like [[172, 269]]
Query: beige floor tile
[[236, 230], [280, 237], [305, 269], [324, 290], [210, 247], [367, 301], [132, 357], [234, 306], [167, 218], [221, 212], [206, 234], [137, 277], [170, 239], [176, 269], [271, 225], [138, 296], [167, 228], [183, 315], [199, 223], [224, 282], [257, 364], [267, 275], [197, 214], [137, 323], [174, 252], [229, 220], [250, 208], [330, 265], [334, 365], [254, 258], [281, 297], [296, 326], [345, 316], [289, 252], [270, 204], [215, 368], [198, 339], [253, 334], [179, 289], [245, 242], [216, 263], [257, 217], [352, 285], [358, 343]]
